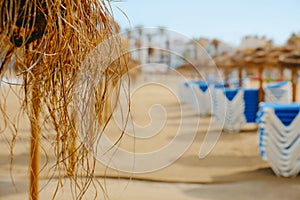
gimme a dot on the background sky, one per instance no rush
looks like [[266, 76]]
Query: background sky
[[228, 20]]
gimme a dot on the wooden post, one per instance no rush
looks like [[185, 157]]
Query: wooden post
[[281, 73], [35, 107], [240, 71], [261, 89], [226, 74], [294, 83]]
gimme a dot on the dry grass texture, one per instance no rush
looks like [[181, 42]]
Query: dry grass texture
[[52, 45]]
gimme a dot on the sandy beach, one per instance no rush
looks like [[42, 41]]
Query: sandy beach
[[233, 170]]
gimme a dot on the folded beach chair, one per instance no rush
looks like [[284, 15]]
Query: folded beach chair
[[239, 107], [279, 137], [198, 95], [182, 91], [280, 92], [185, 92], [229, 108], [203, 103]]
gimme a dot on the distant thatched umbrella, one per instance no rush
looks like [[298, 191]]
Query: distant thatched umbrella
[[226, 63], [188, 69], [262, 59], [239, 62], [272, 58], [257, 61], [292, 61]]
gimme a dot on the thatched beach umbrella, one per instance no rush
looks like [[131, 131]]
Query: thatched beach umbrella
[[225, 62], [272, 58], [190, 70], [292, 62], [257, 61], [239, 61], [262, 59], [51, 41]]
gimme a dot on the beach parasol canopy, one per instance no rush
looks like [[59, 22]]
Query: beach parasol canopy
[[256, 60], [292, 62], [226, 62]]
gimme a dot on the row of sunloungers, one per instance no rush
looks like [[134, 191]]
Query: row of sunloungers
[[278, 119]]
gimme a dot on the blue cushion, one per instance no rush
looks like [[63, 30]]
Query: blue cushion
[[230, 93], [251, 104], [202, 85], [286, 112], [286, 116]]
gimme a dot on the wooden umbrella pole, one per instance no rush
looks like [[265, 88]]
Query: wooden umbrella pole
[[34, 149], [294, 83], [281, 73], [260, 78], [226, 74], [240, 70]]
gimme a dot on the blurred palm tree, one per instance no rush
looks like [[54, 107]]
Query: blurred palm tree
[[162, 32], [128, 34], [216, 43], [196, 46], [168, 53], [150, 50], [139, 41]]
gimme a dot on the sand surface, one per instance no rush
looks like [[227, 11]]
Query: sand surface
[[232, 170]]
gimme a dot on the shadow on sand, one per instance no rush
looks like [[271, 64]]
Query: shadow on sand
[[257, 184]]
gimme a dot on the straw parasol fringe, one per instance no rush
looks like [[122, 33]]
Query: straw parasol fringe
[[50, 40]]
